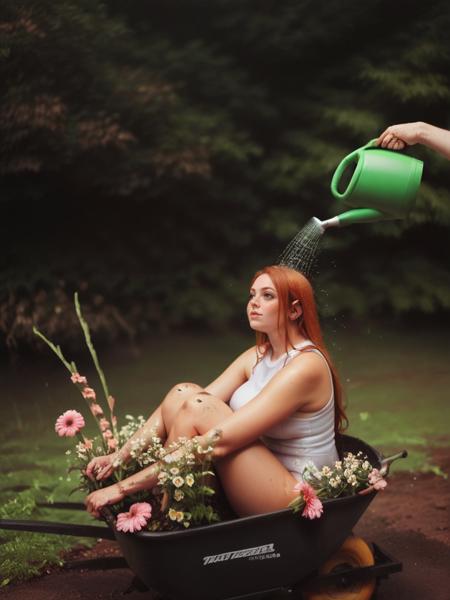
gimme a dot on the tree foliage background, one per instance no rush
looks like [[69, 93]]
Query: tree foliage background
[[153, 155]]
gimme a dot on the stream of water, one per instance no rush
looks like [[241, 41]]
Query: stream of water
[[302, 251]]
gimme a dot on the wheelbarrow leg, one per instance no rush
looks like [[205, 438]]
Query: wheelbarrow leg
[[136, 585]]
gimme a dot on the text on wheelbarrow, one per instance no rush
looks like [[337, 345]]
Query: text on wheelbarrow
[[257, 553]]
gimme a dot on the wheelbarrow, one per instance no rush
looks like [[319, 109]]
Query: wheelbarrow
[[253, 556]]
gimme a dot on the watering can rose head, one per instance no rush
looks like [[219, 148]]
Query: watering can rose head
[[379, 184]]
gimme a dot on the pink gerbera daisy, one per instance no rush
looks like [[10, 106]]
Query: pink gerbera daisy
[[313, 506], [69, 423], [77, 378], [135, 519]]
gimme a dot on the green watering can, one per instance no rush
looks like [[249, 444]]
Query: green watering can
[[383, 185]]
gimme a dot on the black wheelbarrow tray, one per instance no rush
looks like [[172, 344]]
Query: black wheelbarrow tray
[[251, 556]]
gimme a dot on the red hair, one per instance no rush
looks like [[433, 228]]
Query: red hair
[[290, 286]]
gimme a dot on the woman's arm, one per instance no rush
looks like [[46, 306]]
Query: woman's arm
[[396, 137], [102, 467], [294, 387]]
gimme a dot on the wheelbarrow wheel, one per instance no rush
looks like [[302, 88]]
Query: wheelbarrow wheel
[[353, 553]]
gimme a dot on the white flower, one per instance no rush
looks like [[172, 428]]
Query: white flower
[[333, 482], [190, 480], [172, 514], [178, 495], [338, 464], [162, 476], [178, 481], [174, 470], [366, 465], [326, 471], [179, 515], [68, 451]]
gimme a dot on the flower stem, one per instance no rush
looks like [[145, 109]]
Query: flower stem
[[90, 345], [71, 367]]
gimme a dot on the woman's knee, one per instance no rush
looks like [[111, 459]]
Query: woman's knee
[[175, 399], [181, 392], [202, 404], [185, 389]]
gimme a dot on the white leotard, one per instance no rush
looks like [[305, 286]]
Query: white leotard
[[301, 438]]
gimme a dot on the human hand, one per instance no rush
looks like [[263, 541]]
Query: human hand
[[396, 137], [101, 498], [101, 467]]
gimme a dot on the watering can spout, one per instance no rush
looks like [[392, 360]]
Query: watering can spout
[[356, 215], [361, 215]]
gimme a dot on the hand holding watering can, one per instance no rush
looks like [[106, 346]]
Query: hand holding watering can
[[396, 137]]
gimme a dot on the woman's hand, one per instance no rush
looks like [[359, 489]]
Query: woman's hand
[[101, 498], [101, 467], [396, 137]]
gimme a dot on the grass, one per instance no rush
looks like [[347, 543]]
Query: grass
[[396, 384]]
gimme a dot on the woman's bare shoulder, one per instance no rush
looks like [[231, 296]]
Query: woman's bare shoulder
[[309, 365]]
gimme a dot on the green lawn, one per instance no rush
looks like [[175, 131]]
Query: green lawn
[[396, 386]]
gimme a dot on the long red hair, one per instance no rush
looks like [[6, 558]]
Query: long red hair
[[290, 286]]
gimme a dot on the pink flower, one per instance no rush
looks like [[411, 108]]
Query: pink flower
[[112, 443], [87, 443], [135, 519], [376, 480], [111, 403], [77, 378], [114, 421], [108, 434], [96, 409], [104, 424], [69, 423], [88, 393], [313, 506]]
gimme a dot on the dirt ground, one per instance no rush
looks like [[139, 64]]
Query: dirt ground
[[409, 520]]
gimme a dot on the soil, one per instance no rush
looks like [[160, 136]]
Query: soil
[[409, 520]]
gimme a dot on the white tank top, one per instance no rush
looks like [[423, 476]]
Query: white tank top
[[301, 438]]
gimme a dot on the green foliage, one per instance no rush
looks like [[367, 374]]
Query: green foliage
[[24, 555], [157, 162]]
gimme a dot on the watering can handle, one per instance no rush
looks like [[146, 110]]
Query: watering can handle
[[341, 168]]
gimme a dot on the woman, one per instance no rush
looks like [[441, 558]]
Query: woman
[[276, 407]]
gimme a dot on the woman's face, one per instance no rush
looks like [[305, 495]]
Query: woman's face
[[262, 307]]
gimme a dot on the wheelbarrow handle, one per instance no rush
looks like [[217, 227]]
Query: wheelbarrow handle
[[92, 531], [387, 462]]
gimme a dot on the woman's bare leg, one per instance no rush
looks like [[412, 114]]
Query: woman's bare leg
[[253, 479], [160, 421]]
